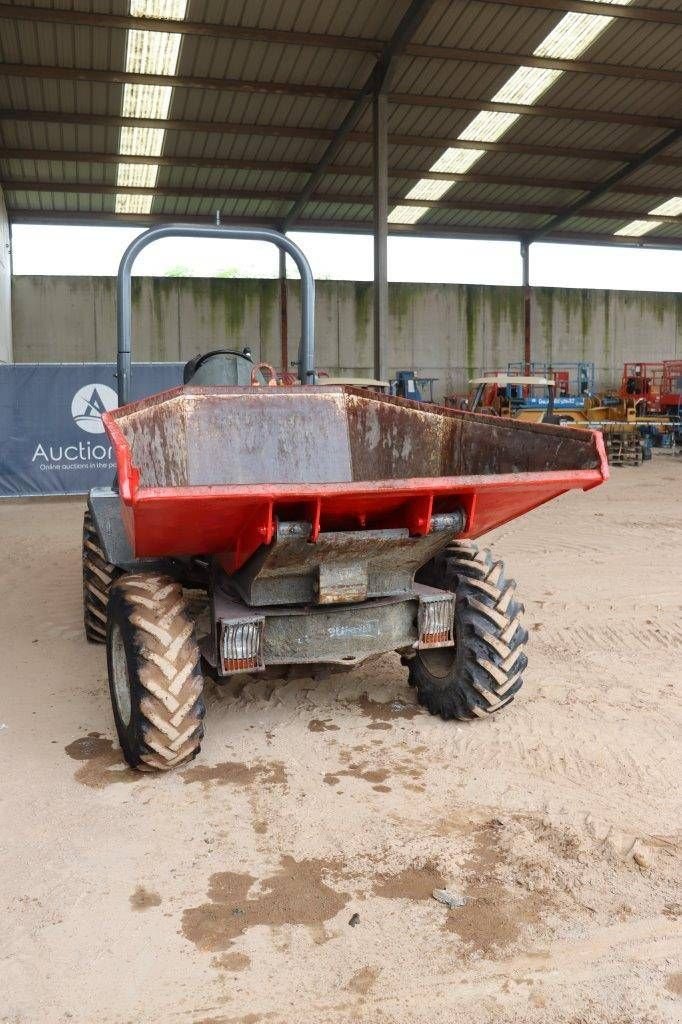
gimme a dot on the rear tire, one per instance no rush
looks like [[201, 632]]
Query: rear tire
[[155, 677], [98, 576], [482, 672]]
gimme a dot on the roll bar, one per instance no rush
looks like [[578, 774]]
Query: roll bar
[[124, 313]]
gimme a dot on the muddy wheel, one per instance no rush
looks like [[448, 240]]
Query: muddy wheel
[[482, 672], [154, 672], [98, 575]]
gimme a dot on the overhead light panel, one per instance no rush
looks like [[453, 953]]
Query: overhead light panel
[[456, 161], [152, 53], [146, 101], [526, 85], [134, 204], [137, 175], [488, 126], [670, 208], [574, 33], [406, 214], [638, 227], [141, 141], [428, 188], [148, 52]]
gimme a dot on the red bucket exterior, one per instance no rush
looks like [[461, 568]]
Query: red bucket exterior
[[235, 519]]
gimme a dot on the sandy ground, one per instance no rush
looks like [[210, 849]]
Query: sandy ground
[[224, 893]]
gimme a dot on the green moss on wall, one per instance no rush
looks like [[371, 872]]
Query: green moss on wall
[[400, 302], [606, 299], [268, 305], [472, 302], [225, 302], [505, 306], [363, 296], [544, 300]]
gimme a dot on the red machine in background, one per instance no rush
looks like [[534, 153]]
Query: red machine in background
[[642, 382], [655, 387], [671, 387]]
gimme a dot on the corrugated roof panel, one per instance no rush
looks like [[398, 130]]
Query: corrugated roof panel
[[473, 25], [481, 26]]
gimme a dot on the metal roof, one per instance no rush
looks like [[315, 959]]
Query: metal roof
[[261, 90]]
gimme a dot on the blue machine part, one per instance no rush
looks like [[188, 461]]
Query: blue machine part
[[406, 386], [580, 375], [560, 402]]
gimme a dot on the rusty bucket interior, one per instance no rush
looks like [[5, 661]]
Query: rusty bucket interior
[[226, 436]]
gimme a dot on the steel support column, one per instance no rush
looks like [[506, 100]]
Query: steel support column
[[380, 180], [527, 304], [283, 313]]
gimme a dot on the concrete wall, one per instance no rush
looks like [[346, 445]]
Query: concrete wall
[[5, 286], [447, 331]]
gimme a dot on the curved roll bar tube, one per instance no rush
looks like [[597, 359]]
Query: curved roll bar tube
[[124, 313]]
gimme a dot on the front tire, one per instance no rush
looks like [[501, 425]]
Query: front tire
[[482, 672], [155, 677]]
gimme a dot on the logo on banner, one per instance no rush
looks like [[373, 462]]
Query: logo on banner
[[89, 403]]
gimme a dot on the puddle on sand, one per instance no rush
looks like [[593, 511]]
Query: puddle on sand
[[102, 763], [493, 918], [355, 771], [416, 882], [384, 712], [143, 899], [674, 983], [322, 725], [295, 895], [234, 773], [375, 776], [362, 981]]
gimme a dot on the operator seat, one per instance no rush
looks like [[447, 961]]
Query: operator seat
[[223, 366]]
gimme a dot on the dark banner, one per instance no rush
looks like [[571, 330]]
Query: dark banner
[[52, 439]]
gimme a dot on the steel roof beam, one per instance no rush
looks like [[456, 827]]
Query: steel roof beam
[[84, 156], [350, 198], [53, 72], [446, 102], [70, 217], [657, 15], [515, 60], [358, 171]]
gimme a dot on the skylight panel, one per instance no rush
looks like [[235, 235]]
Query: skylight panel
[[572, 36], [670, 208], [173, 10], [429, 188], [152, 53], [407, 214], [147, 53], [146, 101], [638, 227], [456, 161], [488, 126], [141, 141], [526, 85], [133, 204], [137, 175]]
